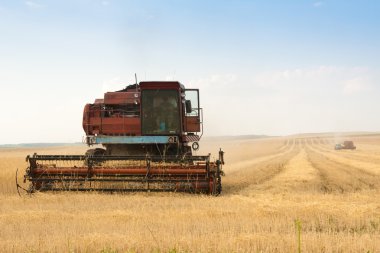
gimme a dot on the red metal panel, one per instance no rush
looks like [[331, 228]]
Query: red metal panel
[[129, 126], [192, 124], [86, 119], [115, 126], [118, 98], [161, 85]]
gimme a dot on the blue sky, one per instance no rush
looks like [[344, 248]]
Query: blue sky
[[263, 67]]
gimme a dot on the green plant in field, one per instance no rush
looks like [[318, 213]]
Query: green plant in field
[[108, 250], [298, 229], [172, 250]]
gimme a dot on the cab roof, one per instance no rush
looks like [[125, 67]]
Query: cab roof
[[161, 84]]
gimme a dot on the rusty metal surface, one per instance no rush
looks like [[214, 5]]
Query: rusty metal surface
[[119, 171], [123, 173], [119, 113], [119, 98]]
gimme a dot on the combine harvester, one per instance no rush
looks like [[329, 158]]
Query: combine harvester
[[146, 130], [345, 145]]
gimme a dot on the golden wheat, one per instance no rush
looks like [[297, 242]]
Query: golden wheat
[[269, 184]]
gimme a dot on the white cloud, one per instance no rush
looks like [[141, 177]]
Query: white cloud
[[345, 80], [112, 84], [317, 4], [33, 5], [290, 79], [216, 80], [356, 85]]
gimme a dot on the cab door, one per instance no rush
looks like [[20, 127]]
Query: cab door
[[192, 111]]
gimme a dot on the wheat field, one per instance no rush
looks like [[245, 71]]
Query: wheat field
[[270, 183]]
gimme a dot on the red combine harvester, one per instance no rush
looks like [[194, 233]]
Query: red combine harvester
[[146, 130]]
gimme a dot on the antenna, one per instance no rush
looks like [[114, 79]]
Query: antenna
[[136, 81]]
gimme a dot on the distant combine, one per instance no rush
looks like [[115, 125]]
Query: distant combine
[[345, 145]]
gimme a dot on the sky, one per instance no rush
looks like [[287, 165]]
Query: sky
[[262, 67]]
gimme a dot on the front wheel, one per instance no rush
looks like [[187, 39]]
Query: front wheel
[[95, 152]]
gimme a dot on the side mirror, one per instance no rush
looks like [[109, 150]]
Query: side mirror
[[188, 106]]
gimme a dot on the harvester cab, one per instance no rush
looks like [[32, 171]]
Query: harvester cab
[[146, 131]]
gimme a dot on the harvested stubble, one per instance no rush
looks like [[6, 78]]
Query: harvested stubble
[[269, 184]]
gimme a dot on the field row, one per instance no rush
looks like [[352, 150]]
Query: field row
[[306, 165]]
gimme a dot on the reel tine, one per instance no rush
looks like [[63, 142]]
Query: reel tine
[[17, 185]]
